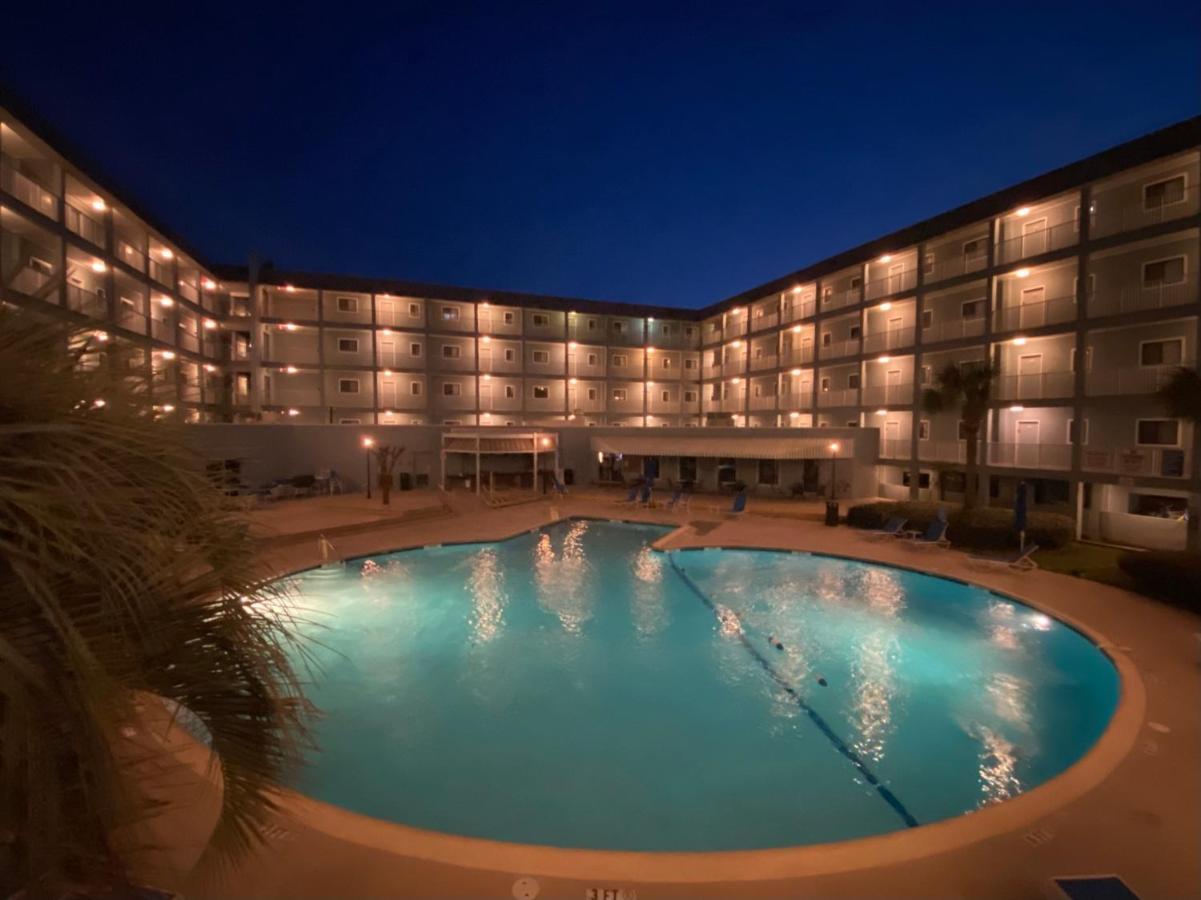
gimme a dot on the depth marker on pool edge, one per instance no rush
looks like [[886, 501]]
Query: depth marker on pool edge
[[889, 797]]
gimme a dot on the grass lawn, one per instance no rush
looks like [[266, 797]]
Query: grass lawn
[[1086, 561]]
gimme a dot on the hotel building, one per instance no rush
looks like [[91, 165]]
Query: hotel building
[[1080, 285]]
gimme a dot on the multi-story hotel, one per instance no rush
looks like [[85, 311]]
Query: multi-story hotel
[[1080, 285]]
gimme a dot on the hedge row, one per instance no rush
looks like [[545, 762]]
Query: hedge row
[[1173, 576], [986, 528]]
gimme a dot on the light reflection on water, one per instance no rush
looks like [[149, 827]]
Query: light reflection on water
[[562, 581], [998, 767], [872, 670], [487, 594], [648, 605]]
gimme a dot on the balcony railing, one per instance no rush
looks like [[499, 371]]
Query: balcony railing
[[1030, 456], [799, 308], [953, 329], [835, 349], [945, 451], [162, 272], [27, 190], [950, 268], [888, 394], [1108, 380], [794, 356], [761, 403], [839, 299], [766, 361], [735, 325], [766, 320], [1157, 462], [188, 290], [161, 330], [1037, 242], [85, 226], [1035, 386], [131, 255], [1136, 297], [889, 339], [895, 448], [87, 302], [1033, 315], [839, 397], [892, 283], [1123, 209], [131, 320]]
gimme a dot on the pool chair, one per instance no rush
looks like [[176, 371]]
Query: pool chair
[[680, 500], [935, 535], [644, 496], [1017, 560], [892, 528], [560, 487], [1093, 887], [737, 508], [631, 498]]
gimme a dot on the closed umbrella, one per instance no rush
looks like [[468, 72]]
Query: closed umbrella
[[1019, 513]]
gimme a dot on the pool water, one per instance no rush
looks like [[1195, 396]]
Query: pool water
[[575, 688]]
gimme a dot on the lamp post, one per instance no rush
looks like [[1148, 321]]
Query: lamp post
[[368, 443], [832, 503]]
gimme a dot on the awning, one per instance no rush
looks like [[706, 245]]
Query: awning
[[487, 443], [722, 447]]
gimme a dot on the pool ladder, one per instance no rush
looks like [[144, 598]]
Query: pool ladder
[[328, 562]]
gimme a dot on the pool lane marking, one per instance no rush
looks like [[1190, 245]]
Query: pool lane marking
[[889, 797]]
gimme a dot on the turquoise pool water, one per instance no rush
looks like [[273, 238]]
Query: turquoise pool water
[[573, 687]]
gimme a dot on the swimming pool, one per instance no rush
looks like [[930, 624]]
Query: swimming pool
[[573, 687]]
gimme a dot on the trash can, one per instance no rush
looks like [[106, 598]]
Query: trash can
[[406, 481], [831, 512]]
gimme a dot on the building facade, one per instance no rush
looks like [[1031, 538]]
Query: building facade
[[1079, 285]]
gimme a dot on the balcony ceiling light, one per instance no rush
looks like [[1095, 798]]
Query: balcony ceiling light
[[98, 265], [885, 359], [571, 381], [293, 412], [885, 307], [795, 372], [291, 370], [737, 381], [1023, 211], [797, 289], [209, 367], [650, 318], [571, 345], [387, 331], [887, 257], [387, 372], [650, 349], [834, 447], [1019, 341], [793, 415], [290, 326], [1017, 407], [166, 253], [1022, 272], [290, 289], [881, 412], [736, 344], [99, 205], [368, 442], [210, 324], [209, 284], [796, 329], [165, 301], [168, 407], [168, 354], [101, 336]]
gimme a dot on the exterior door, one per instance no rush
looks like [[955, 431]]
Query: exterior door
[[892, 439], [892, 389], [1033, 309], [1034, 237], [485, 388], [385, 310], [1030, 375], [896, 277], [387, 351], [894, 331], [1026, 451], [387, 393]]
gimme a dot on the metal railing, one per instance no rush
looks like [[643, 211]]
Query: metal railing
[[1158, 462], [1128, 379], [1137, 297], [838, 397], [131, 255], [1030, 456], [839, 299], [81, 300], [889, 339], [766, 361], [761, 403], [1035, 386], [80, 223], [764, 320], [835, 349], [1125, 208], [953, 329], [1037, 242], [27, 190], [888, 394], [895, 448], [892, 283], [941, 270], [1033, 315], [799, 308]]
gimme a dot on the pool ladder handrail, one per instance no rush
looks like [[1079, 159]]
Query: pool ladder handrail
[[324, 546]]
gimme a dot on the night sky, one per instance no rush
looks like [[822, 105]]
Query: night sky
[[646, 153]]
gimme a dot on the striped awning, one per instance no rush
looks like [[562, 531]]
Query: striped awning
[[722, 446], [499, 443]]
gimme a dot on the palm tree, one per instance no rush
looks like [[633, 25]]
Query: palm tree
[[122, 574], [1181, 394], [966, 390]]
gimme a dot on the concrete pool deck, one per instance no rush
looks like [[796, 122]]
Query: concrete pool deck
[[1131, 807]]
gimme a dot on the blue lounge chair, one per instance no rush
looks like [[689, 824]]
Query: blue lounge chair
[[935, 535], [1017, 560], [892, 528], [631, 497], [739, 505], [644, 497], [560, 487], [674, 500]]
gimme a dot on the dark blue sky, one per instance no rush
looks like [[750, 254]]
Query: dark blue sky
[[647, 153]]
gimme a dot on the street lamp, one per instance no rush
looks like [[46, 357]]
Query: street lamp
[[834, 470], [368, 443]]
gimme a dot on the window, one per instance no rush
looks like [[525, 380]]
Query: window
[[1165, 192], [665, 330], [592, 393], [1168, 352], [923, 430], [856, 330], [508, 318], [690, 396], [825, 384], [592, 324], [923, 479], [1163, 271], [1088, 359], [414, 349], [1072, 432], [451, 389], [1158, 432], [348, 385], [687, 468], [592, 359], [619, 327], [541, 320], [540, 356], [450, 314], [973, 309], [414, 310], [665, 362], [758, 353], [348, 304], [690, 363], [665, 396], [620, 359], [853, 380], [927, 318], [853, 423], [856, 281], [415, 388], [451, 351], [541, 392], [688, 332], [974, 248], [928, 262], [510, 392], [348, 345], [510, 354], [768, 471], [827, 338], [619, 393]]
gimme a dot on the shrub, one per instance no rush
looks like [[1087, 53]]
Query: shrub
[[990, 528], [1170, 575]]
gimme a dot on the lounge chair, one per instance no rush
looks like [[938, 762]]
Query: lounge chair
[[892, 528], [935, 535], [1093, 887], [630, 498], [737, 508], [674, 500], [644, 496], [1017, 560], [560, 487]]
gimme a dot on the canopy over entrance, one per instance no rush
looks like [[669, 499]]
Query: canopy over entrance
[[724, 447], [531, 445]]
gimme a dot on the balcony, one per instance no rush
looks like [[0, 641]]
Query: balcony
[[889, 339], [892, 283], [895, 448], [187, 290], [735, 326], [1137, 297], [1153, 462], [712, 371], [131, 255], [795, 356], [1123, 209], [1035, 386], [80, 223], [799, 308], [1037, 242], [838, 397], [945, 451], [951, 268], [1030, 456], [838, 299], [87, 302], [766, 361], [762, 403], [1113, 380], [764, 320], [1037, 313], [189, 341], [953, 329], [888, 394], [162, 331], [835, 349], [161, 272], [28, 191]]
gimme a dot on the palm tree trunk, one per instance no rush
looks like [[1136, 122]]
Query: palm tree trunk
[[970, 488]]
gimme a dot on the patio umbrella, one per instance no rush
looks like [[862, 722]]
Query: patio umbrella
[[1019, 513]]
